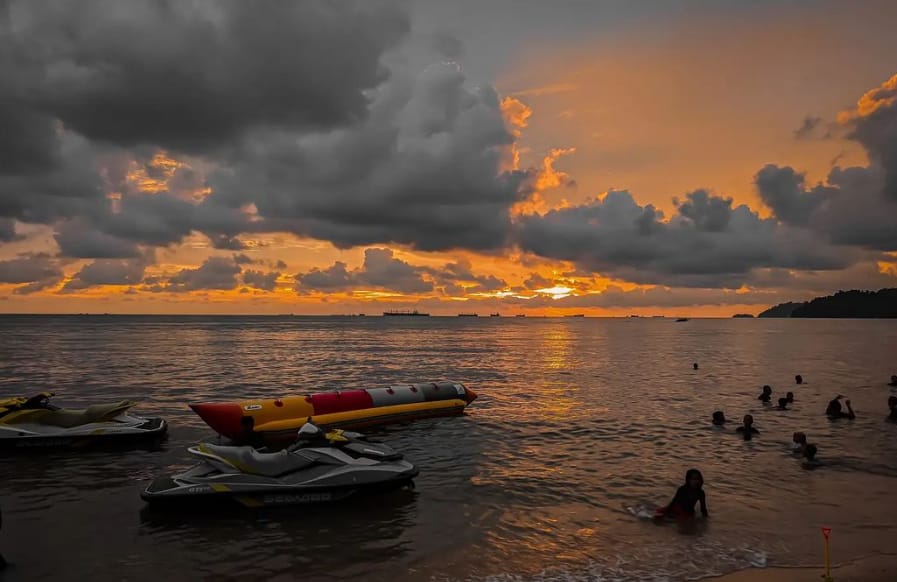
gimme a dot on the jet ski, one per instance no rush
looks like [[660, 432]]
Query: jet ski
[[321, 466], [35, 422]]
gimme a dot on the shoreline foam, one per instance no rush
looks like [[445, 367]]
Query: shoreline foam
[[872, 568]]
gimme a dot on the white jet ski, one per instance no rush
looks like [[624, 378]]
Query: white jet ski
[[320, 467], [35, 422]]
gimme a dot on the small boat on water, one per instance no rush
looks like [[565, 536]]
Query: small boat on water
[[681, 319], [468, 315], [495, 315], [276, 420], [35, 422]]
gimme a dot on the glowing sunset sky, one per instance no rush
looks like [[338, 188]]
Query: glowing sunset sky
[[602, 157]]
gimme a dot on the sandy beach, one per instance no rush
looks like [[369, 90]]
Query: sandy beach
[[877, 568]]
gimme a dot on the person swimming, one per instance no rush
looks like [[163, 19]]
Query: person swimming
[[892, 406], [695, 365], [719, 418], [809, 457], [834, 410], [893, 381], [783, 404], [799, 442], [747, 429], [766, 395], [683, 504], [790, 397], [798, 379]]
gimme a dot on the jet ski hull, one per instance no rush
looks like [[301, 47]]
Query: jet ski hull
[[125, 429], [193, 488]]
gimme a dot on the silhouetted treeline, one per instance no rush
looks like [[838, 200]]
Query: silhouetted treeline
[[782, 309], [857, 304]]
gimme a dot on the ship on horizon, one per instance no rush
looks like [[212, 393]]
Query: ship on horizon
[[405, 313]]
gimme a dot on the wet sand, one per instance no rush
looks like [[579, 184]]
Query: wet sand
[[878, 568]]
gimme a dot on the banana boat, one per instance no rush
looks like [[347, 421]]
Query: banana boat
[[280, 418]]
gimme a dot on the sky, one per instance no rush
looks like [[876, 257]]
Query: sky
[[604, 157]]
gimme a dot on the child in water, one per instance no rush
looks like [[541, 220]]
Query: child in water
[[833, 410], [719, 418], [747, 429], [766, 396], [800, 442], [683, 504]]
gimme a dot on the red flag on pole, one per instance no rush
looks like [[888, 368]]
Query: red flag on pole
[[826, 531]]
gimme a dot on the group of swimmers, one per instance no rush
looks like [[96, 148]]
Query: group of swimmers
[[691, 493]]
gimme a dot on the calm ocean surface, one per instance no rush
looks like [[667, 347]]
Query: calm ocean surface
[[576, 419]]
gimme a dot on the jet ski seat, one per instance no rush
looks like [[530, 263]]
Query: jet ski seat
[[249, 460], [70, 418]]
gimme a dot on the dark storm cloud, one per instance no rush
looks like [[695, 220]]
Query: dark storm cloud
[[79, 240], [242, 259], [216, 273], [380, 269], [874, 125], [537, 281], [849, 209], [109, 272], [8, 230], [708, 243], [191, 76], [782, 190], [37, 272], [261, 280], [313, 113], [462, 271], [421, 169]]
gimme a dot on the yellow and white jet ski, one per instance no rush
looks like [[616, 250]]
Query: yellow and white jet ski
[[34, 422]]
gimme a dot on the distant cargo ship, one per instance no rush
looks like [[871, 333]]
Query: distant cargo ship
[[405, 313]]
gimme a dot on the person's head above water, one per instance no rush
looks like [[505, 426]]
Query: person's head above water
[[748, 420], [892, 402], [695, 365], [783, 403], [767, 389], [893, 380], [798, 379], [719, 417], [799, 438], [790, 396], [694, 478]]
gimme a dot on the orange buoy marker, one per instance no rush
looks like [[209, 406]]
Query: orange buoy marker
[[827, 577]]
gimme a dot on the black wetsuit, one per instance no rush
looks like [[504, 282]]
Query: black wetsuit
[[683, 503]]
